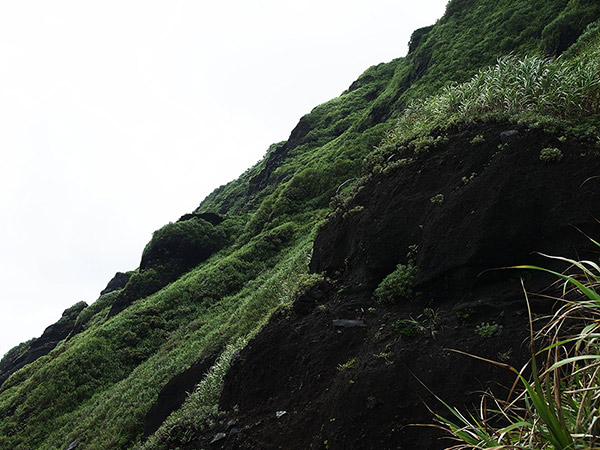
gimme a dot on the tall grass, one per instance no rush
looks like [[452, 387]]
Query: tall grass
[[558, 405], [515, 88], [200, 408]]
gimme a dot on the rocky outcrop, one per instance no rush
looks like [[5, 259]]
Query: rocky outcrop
[[468, 205], [30, 351], [274, 159], [173, 250], [117, 282]]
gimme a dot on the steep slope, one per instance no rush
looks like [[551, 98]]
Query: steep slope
[[139, 349], [345, 386]]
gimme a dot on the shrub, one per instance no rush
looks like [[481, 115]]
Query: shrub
[[551, 155], [177, 247], [398, 284], [141, 285]]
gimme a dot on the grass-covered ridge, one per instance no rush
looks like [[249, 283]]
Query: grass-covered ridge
[[98, 385], [559, 94]]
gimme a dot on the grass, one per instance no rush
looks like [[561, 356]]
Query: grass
[[534, 90], [200, 409], [557, 406]]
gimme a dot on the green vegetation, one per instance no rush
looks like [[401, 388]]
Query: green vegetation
[[437, 199], [205, 289], [479, 139], [557, 405], [487, 330], [532, 90], [199, 410], [551, 155], [429, 323], [347, 365], [397, 285]]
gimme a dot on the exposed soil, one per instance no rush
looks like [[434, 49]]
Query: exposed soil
[[305, 383]]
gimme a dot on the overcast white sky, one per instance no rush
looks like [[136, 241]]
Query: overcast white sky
[[117, 117]]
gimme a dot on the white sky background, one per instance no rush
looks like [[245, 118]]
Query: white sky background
[[117, 117]]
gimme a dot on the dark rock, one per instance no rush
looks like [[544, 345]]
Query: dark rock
[[117, 282], [348, 323], [509, 136], [30, 351]]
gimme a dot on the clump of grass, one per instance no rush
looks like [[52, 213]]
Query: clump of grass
[[479, 139], [528, 89], [557, 407], [347, 365], [428, 322], [437, 199]]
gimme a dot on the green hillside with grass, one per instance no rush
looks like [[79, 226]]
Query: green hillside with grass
[[209, 283]]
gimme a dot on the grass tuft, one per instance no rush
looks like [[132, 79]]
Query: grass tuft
[[557, 406]]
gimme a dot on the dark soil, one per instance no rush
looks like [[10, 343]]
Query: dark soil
[[363, 387]]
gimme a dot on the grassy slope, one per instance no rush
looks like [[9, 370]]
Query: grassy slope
[[98, 386]]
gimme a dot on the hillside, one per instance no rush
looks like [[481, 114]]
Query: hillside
[[297, 306]]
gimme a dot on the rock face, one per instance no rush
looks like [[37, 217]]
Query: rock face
[[32, 350], [117, 282], [468, 206], [496, 207], [173, 250]]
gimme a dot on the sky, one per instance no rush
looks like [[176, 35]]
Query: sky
[[117, 117]]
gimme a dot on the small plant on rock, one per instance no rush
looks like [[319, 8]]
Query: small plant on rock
[[437, 199], [398, 284], [487, 330], [347, 365], [551, 155]]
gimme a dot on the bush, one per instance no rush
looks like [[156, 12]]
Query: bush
[[177, 247], [398, 284], [487, 330], [551, 155]]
